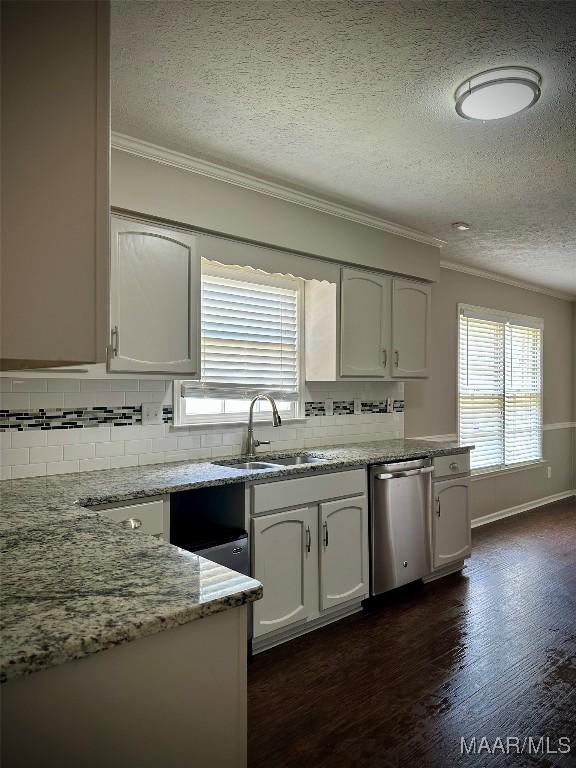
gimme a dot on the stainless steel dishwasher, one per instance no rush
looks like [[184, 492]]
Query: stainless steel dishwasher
[[400, 501]]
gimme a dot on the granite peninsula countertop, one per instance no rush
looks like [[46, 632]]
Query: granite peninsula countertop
[[74, 582]]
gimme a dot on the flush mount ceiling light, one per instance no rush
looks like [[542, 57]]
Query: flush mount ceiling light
[[498, 93], [461, 226]]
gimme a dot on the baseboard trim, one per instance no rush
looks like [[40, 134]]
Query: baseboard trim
[[519, 508], [265, 642]]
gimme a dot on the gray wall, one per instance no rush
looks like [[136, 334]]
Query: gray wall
[[431, 404]]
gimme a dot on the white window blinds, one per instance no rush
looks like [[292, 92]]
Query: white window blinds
[[500, 387], [249, 339]]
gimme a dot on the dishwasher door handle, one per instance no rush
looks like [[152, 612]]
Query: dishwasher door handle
[[408, 473]]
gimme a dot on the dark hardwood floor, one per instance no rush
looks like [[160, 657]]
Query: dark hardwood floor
[[491, 652]]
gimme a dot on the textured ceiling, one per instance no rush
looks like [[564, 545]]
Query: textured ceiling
[[354, 101]]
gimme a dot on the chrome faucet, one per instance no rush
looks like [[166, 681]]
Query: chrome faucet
[[252, 443]]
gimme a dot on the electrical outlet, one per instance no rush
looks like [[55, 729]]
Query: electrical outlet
[[151, 413], [549, 472], [357, 407], [329, 407]]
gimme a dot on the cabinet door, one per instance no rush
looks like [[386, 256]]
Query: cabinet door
[[155, 300], [364, 324], [55, 209], [410, 329], [451, 532], [285, 560], [343, 551]]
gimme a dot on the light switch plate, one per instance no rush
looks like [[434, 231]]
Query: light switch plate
[[151, 413], [357, 407], [329, 407]]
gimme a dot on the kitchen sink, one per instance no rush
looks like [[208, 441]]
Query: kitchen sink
[[283, 461], [245, 464]]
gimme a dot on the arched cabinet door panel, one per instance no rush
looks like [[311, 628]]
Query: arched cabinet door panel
[[451, 529], [343, 551], [410, 329], [154, 300], [285, 561], [364, 324]]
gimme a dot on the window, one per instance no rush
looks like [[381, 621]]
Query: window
[[500, 387], [251, 342]]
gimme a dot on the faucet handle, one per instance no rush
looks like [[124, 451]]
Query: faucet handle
[[261, 442]]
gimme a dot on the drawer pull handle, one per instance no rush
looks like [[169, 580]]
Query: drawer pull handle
[[454, 466], [132, 523]]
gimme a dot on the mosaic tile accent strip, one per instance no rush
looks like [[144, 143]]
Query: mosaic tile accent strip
[[75, 418], [315, 408], [343, 407], [346, 407], [126, 415]]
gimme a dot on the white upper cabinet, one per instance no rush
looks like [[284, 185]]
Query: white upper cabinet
[[410, 329], [343, 551], [285, 560], [155, 296], [55, 206], [364, 324], [451, 530]]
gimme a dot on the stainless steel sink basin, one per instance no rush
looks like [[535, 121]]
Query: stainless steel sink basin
[[283, 461], [293, 461], [245, 464]]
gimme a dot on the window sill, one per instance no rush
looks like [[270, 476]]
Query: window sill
[[480, 474], [241, 424]]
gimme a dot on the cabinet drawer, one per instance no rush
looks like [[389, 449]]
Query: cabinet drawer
[[147, 517], [452, 466], [308, 490]]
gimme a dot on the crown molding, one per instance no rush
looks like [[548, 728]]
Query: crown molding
[[255, 184], [506, 280]]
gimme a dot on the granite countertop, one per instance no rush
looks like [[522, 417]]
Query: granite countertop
[[74, 582]]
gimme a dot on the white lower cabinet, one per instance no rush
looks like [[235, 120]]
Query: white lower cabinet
[[312, 559], [343, 551], [451, 530], [285, 546]]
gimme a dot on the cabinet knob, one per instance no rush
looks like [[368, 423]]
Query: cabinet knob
[[454, 466], [132, 523]]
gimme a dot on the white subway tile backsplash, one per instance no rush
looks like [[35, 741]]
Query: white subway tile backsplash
[[15, 401], [29, 439], [62, 467], [99, 434], [153, 385], [54, 451], [63, 436], [164, 444], [63, 385], [90, 465], [14, 456], [124, 385], [110, 449], [95, 385], [88, 399], [137, 398], [189, 442], [45, 454], [79, 451], [137, 446], [28, 470], [5, 473], [46, 400], [211, 440], [123, 461], [150, 458], [29, 385]]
